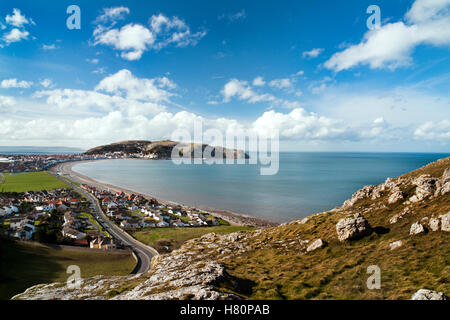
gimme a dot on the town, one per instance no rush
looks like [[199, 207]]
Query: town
[[64, 216]]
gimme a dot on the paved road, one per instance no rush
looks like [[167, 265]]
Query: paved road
[[143, 252]]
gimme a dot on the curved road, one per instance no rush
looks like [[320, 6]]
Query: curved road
[[143, 253]]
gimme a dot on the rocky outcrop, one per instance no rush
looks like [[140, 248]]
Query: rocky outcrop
[[416, 228], [319, 243], [396, 244], [425, 294], [352, 228], [434, 224], [445, 222]]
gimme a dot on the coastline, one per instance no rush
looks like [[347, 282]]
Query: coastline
[[231, 217]]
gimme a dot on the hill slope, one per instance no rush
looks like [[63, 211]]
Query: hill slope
[[324, 256], [162, 149]]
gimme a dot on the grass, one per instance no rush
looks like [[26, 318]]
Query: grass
[[92, 220], [31, 181], [30, 265], [339, 271], [173, 238]]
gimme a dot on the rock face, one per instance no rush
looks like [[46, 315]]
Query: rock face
[[445, 222], [416, 228], [425, 186], [352, 228], [434, 224], [425, 294], [396, 244], [319, 243]]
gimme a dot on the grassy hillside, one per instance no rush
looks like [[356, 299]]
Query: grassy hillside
[[168, 239], [32, 181], [275, 268], [27, 265]]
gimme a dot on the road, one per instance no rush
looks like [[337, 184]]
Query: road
[[144, 253]]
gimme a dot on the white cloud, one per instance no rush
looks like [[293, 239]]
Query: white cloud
[[101, 70], [123, 83], [281, 83], [15, 35], [131, 39], [240, 15], [439, 130], [14, 83], [134, 39], [93, 61], [241, 90], [112, 14], [314, 53], [299, 124], [49, 47], [258, 82], [17, 19], [173, 31], [47, 83], [391, 45], [6, 103]]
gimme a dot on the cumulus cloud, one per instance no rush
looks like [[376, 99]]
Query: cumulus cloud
[[47, 83], [15, 35], [6, 103], [281, 83], [123, 83], [17, 31], [299, 124], [14, 83], [439, 130], [258, 82], [131, 39], [391, 45], [243, 91], [134, 39], [112, 14], [17, 19], [313, 53]]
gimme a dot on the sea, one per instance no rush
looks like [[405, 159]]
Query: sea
[[306, 183]]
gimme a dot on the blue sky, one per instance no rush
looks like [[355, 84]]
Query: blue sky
[[310, 69]]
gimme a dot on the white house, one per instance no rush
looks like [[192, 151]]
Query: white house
[[163, 224]]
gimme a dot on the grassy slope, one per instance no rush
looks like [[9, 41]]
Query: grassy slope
[[23, 266], [32, 181], [339, 270], [174, 237]]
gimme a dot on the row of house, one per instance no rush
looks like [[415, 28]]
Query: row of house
[[132, 212]]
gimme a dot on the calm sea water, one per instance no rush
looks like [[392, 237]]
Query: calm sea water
[[306, 182]]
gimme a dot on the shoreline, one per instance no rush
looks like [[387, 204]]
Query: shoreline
[[231, 217]]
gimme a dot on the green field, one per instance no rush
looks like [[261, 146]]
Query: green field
[[28, 265], [32, 181], [173, 238]]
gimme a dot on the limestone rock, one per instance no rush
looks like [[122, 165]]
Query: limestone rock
[[426, 186], [434, 224], [416, 228], [445, 222], [319, 243], [353, 227], [395, 197], [425, 294], [396, 244]]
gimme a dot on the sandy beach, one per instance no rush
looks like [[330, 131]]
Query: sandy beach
[[231, 217]]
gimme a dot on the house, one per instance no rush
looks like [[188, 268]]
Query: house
[[25, 233], [73, 234], [162, 224], [126, 224], [102, 243]]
